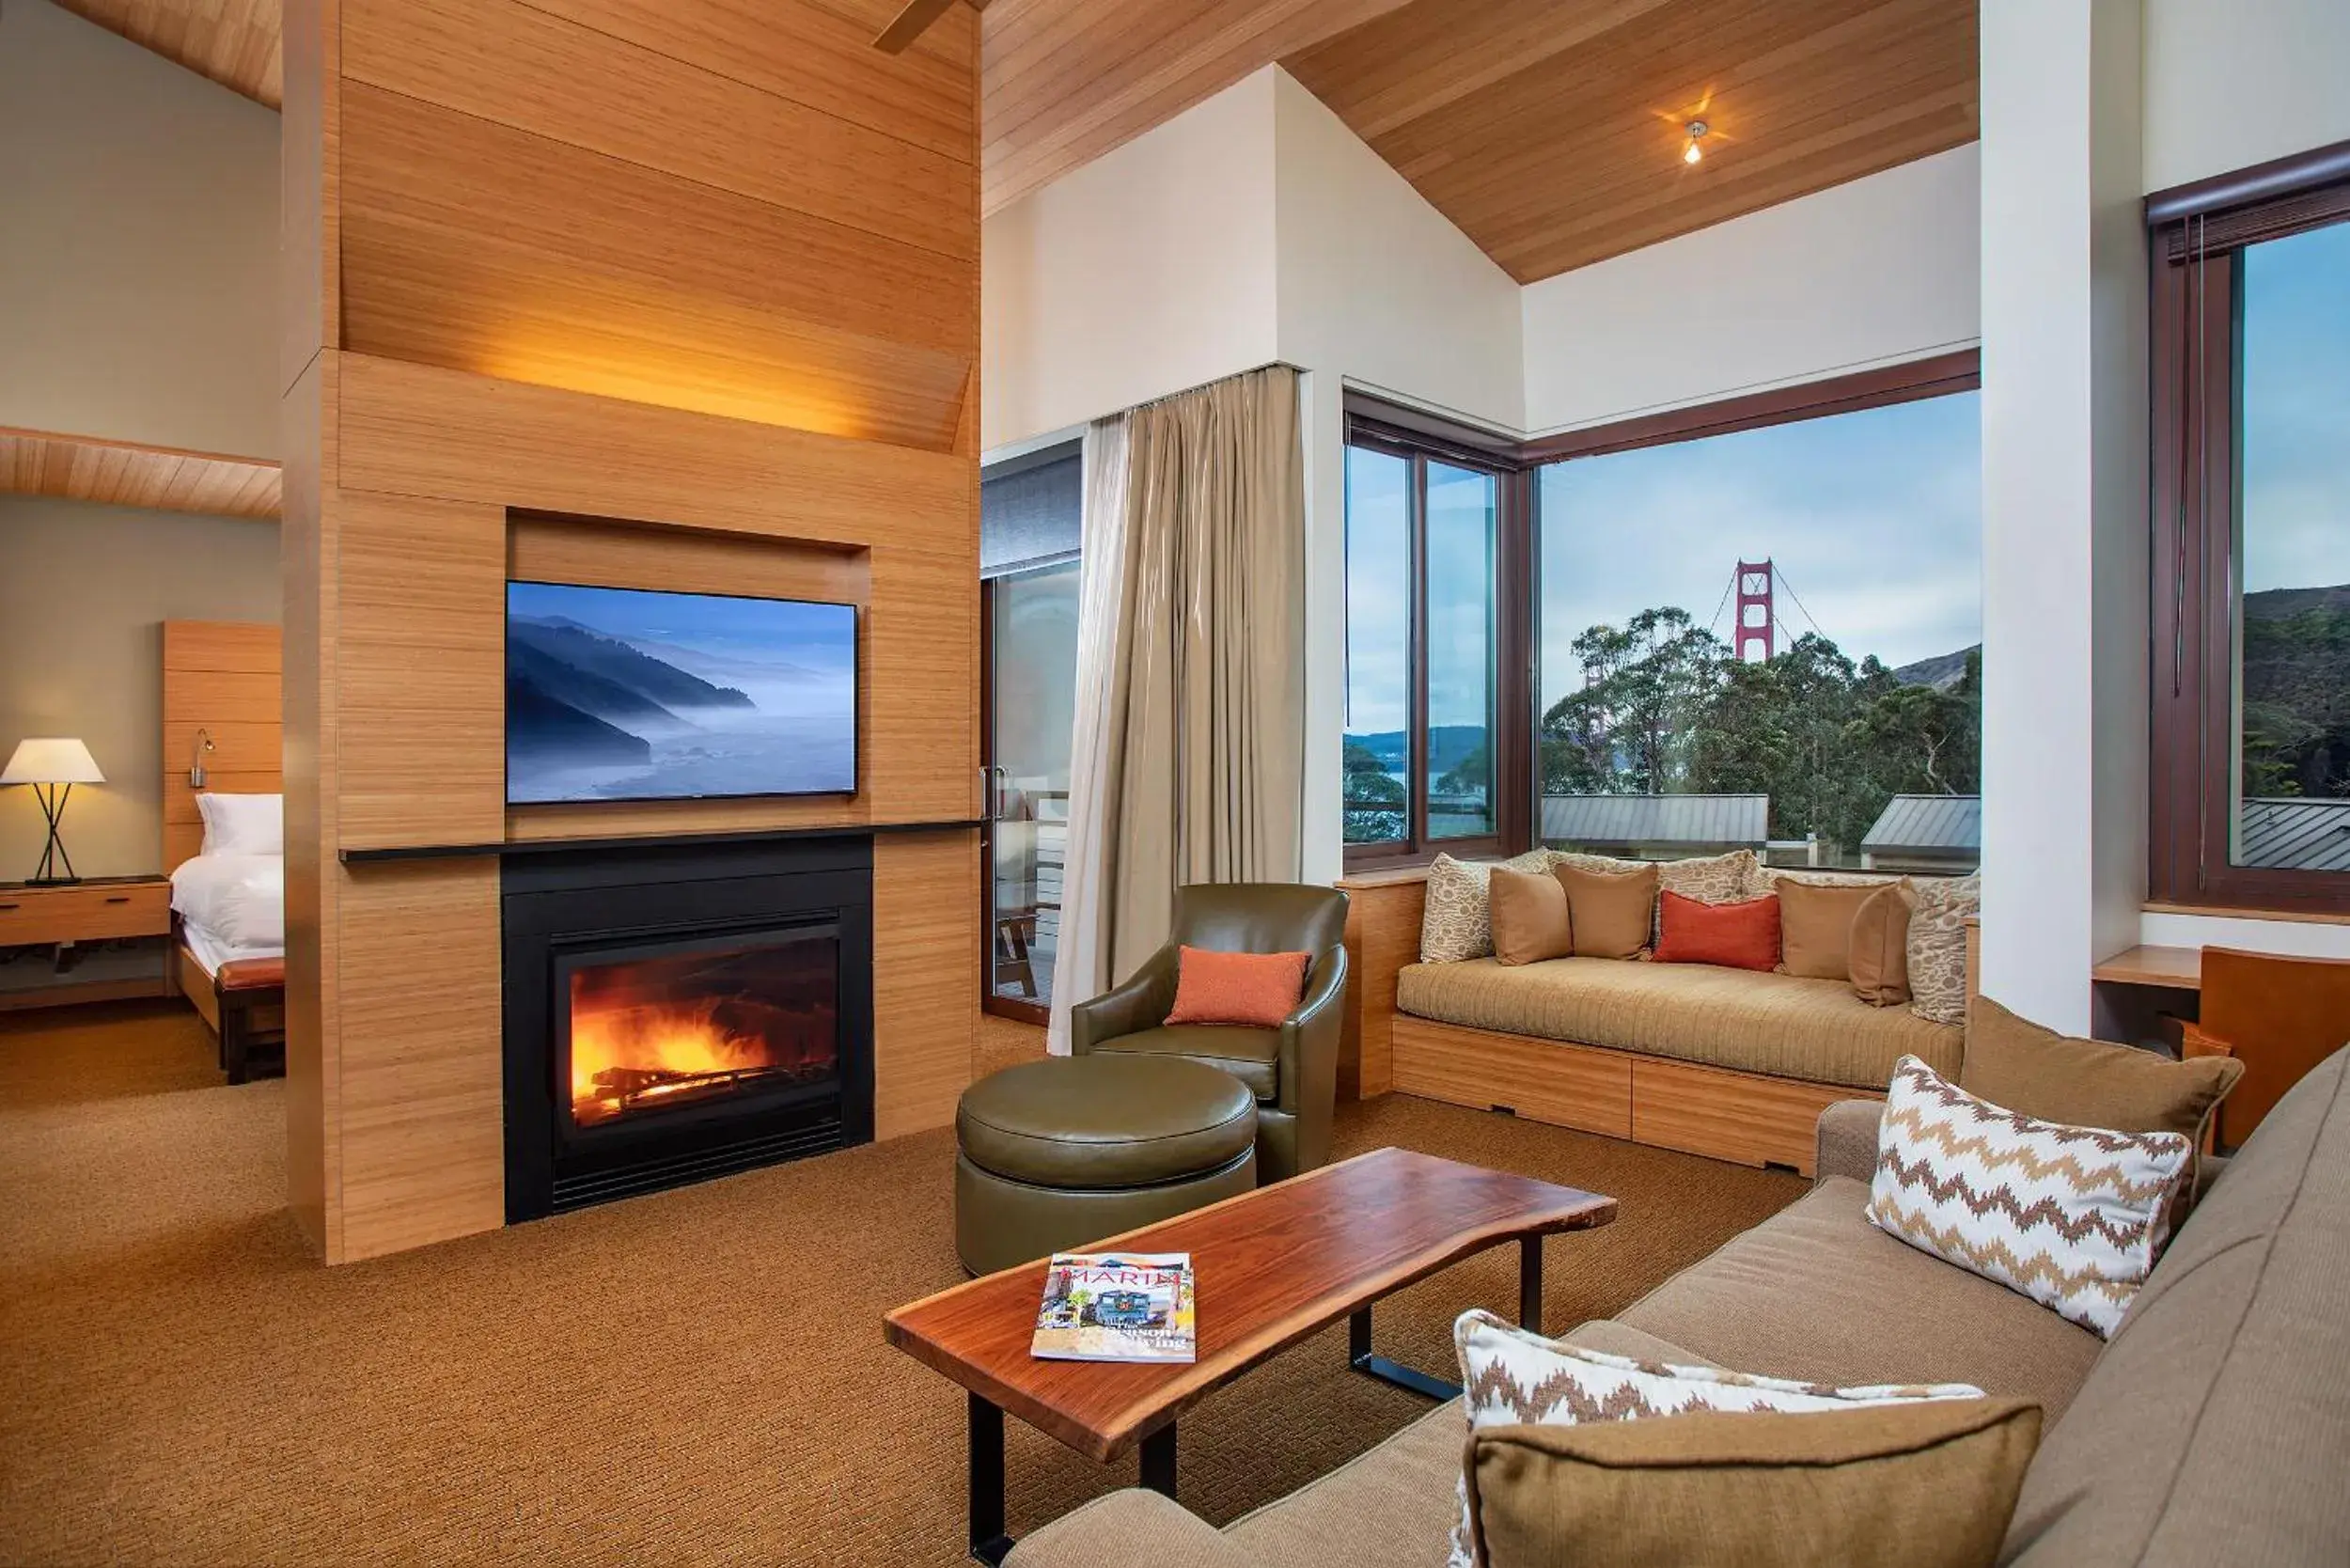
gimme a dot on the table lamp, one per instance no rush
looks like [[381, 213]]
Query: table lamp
[[52, 765]]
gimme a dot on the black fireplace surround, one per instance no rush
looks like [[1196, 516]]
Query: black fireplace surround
[[766, 947]]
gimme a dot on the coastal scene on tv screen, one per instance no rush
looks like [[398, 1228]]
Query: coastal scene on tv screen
[[620, 693]]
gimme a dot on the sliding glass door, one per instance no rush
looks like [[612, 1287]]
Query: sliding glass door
[[1032, 669]]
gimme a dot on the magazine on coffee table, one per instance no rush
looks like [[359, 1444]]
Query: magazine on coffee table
[[1117, 1307]]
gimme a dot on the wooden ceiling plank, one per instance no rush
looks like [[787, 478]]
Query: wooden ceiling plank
[[117, 472], [233, 42]]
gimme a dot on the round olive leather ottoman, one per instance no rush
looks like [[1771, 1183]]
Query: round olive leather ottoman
[[1061, 1153]]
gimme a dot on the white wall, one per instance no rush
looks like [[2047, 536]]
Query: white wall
[[1875, 271], [138, 255], [2064, 500], [1146, 272], [1377, 290], [84, 592], [2235, 83]]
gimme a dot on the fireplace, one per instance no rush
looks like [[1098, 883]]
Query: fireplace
[[679, 1012]]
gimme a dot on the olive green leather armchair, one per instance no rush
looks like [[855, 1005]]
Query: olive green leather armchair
[[1294, 1070]]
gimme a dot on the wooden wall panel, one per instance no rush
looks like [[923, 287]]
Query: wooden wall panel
[[503, 60], [422, 1094], [922, 750], [671, 293], [221, 676], [813, 54], [422, 693], [600, 276], [1383, 918], [926, 977], [415, 430], [305, 559]]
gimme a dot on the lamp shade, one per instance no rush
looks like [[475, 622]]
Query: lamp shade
[[52, 760]]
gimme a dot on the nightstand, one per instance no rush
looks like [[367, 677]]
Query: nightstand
[[68, 919]]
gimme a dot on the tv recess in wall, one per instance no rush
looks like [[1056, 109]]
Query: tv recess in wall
[[626, 693]]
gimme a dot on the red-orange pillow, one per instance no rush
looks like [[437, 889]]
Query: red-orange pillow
[[1741, 935], [1254, 990]]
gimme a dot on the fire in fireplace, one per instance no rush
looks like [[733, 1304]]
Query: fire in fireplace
[[662, 1033], [676, 1012]]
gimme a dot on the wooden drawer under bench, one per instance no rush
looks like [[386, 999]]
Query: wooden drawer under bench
[[1748, 1118]]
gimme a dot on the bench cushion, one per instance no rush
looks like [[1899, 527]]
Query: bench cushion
[[1812, 1029]]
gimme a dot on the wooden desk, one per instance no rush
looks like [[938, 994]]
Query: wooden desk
[[2169, 969]]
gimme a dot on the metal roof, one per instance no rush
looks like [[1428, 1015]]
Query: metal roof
[[1657, 818], [1952, 822], [2297, 834]]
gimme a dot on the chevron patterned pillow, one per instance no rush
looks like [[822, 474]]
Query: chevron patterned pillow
[[2073, 1218], [1511, 1377]]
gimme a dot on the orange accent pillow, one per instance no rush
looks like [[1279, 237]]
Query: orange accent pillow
[[1741, 935], [1254, 990]]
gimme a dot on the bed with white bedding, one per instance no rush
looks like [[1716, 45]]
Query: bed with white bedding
[[231, 906]]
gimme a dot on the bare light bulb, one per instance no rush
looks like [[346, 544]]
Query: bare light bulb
[[1693, 154]]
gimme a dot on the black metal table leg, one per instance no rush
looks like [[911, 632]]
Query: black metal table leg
[[1360, 1357], [1158, 1461], [1531, 1284], [989, 1544]]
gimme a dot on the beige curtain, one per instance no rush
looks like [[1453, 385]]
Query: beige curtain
[[1203, 745]]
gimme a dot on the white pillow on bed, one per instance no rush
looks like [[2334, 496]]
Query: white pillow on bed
[[243, 825]]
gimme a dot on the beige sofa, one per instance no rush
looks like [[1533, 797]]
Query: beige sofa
[[2215, 1427]]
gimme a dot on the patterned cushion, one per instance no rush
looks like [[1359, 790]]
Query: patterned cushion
[[1457, 922], [1510, 1377], [1938, 910], [2073, 1218]]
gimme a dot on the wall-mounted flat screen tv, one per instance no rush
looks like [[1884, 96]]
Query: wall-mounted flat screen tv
[[625, 693]]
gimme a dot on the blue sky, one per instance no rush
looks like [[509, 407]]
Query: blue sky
[[2296, 385], [819, 635]]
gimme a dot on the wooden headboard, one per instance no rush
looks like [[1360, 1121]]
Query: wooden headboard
[[221, 676]]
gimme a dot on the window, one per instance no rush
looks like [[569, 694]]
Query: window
[[1427, 531], [1029, 578], [1769, 639], [2250, 749]]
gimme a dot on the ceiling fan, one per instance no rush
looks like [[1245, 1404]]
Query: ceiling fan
[[913, 21]]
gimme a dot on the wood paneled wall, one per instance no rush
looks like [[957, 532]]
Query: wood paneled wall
[[220, 677], [663, 293]]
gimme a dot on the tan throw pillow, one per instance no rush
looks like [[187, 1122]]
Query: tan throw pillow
[[1456, 922], [1940, 907], [2026, 1067], [1530, 916], [1611, 911], [1815, 922], [1918, 1485], [2072, 1216], [1513, 1378], [1880, 947]]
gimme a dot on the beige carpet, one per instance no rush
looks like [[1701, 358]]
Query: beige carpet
[[694, 1377]]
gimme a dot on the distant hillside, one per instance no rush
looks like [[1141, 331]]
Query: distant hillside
[[1941, 672], [612, 663], [1448, 744], [542, 727], [2277, 603]]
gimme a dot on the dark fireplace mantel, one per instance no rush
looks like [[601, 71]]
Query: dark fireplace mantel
[[782, 927]]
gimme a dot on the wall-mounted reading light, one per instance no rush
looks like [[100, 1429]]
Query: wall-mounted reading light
[[1694, 153], [196, 759]]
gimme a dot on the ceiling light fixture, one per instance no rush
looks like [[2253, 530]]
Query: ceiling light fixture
[[1693, 153]]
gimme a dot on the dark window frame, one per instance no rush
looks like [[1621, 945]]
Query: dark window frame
[[1416, 436], [2196, 235], [1512, 751]]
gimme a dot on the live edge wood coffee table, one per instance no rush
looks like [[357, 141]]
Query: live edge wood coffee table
[[1274, 1266]]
